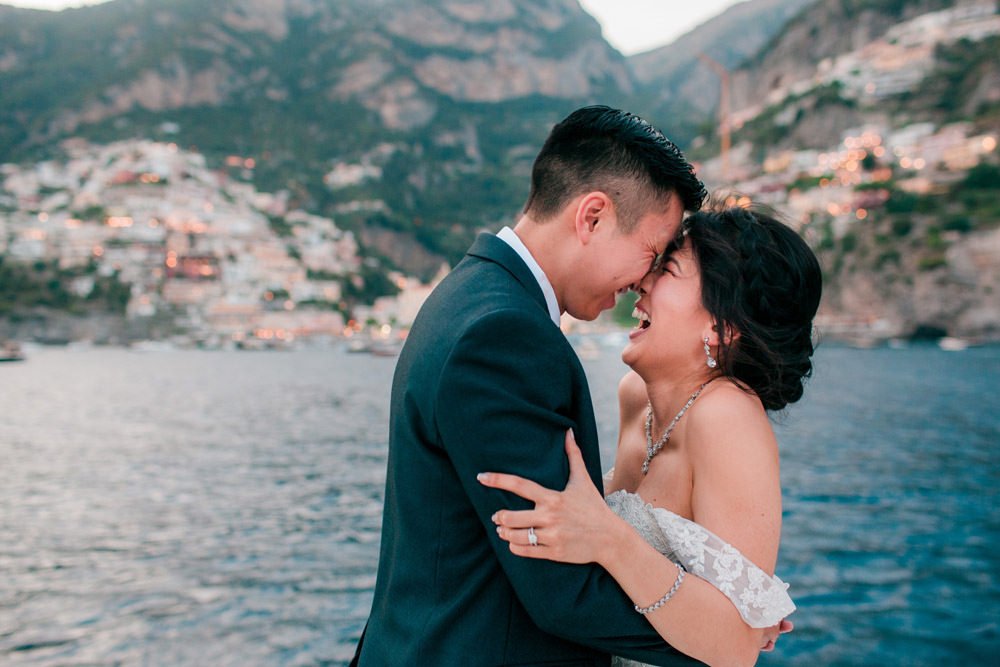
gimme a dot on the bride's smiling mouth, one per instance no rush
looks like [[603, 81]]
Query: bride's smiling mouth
[[644, 321]]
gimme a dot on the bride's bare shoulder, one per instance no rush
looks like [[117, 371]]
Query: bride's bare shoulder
[[727, 414], [632, 397]]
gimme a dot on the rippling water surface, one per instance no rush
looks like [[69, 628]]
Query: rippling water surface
[[186, 508]]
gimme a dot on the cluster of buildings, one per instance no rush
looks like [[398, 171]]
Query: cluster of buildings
[[905, 55], [200, 246], [893, 64], [841, 182]]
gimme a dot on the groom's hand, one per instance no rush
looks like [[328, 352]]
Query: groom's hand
[[771, 634]]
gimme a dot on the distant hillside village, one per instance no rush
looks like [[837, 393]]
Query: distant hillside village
[[895, 64], [199, 245]]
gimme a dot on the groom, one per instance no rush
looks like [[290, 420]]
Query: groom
[[487, 381]]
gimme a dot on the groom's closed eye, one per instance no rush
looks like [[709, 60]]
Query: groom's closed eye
[[659, 260]]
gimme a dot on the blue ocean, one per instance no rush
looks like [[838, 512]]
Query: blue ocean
[[223, 508]]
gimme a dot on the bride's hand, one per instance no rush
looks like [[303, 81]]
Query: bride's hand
[[571, 526]]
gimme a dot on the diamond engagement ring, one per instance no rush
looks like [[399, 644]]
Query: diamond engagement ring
[[532, 538]]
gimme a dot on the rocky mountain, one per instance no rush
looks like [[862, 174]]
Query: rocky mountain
[[672, 75], [805, 52], [874, 125], [431, 99], [394, 58]]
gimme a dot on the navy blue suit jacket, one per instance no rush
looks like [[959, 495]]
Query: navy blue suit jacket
[[487, 382]]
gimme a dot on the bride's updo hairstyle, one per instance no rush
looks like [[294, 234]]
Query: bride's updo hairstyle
[[761, 282]]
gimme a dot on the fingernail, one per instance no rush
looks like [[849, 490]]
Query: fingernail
[[494, 517], [481, 476], [500, 530]]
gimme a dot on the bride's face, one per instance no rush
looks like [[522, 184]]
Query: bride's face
[[672, 320]]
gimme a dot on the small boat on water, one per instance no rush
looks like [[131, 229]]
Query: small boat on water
[[153, 346], [388, 347], [952, 344], [11, 351]]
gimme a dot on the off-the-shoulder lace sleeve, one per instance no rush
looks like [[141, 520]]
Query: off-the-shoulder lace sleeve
[[761, 599]]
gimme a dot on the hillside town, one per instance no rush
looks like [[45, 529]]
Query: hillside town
[[895, 63], [923, 153], [232, 265], [837, 182]]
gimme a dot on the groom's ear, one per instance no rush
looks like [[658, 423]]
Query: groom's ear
[[594, 213]]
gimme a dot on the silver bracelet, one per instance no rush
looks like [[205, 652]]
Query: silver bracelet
[[662, 601]]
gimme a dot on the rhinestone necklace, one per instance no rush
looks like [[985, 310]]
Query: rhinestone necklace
[[654, 449]]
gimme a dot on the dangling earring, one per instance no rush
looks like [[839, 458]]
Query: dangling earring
[[709, 359]]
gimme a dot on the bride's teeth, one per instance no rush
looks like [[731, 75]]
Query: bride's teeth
[[641, 316]]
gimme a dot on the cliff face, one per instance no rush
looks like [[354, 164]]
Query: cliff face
[[826, 30], [674, 71], [871, 296], [396, 58]]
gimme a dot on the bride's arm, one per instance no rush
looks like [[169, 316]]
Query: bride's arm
[[697, 620], [576, 526], [737, 495]]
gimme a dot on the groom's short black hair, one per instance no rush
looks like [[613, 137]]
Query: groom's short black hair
[[615, 152]]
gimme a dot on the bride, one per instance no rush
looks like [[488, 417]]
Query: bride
[[724, 335]]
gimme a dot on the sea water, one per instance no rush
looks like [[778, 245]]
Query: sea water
[[224, 508]]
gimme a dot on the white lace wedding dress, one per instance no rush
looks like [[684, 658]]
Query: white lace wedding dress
[[761, 599]]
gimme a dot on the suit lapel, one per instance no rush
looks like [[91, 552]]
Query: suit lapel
[[493, 249]]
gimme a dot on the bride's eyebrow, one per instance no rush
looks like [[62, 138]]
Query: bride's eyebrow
[[673, 246], [672, 249], [660, 260]]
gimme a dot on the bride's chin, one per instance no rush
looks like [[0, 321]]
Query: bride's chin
[[630, 355]]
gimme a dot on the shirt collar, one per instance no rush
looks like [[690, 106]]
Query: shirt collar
[[514, 241]]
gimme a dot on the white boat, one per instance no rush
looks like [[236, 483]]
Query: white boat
[[153, 346], [379, 347], [386, 348], [952, 344], [11, 351]]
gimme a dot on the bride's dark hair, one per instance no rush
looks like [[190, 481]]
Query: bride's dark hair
[[761, 283]]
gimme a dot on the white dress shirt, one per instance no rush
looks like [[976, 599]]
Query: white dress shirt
[[513, 240]]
